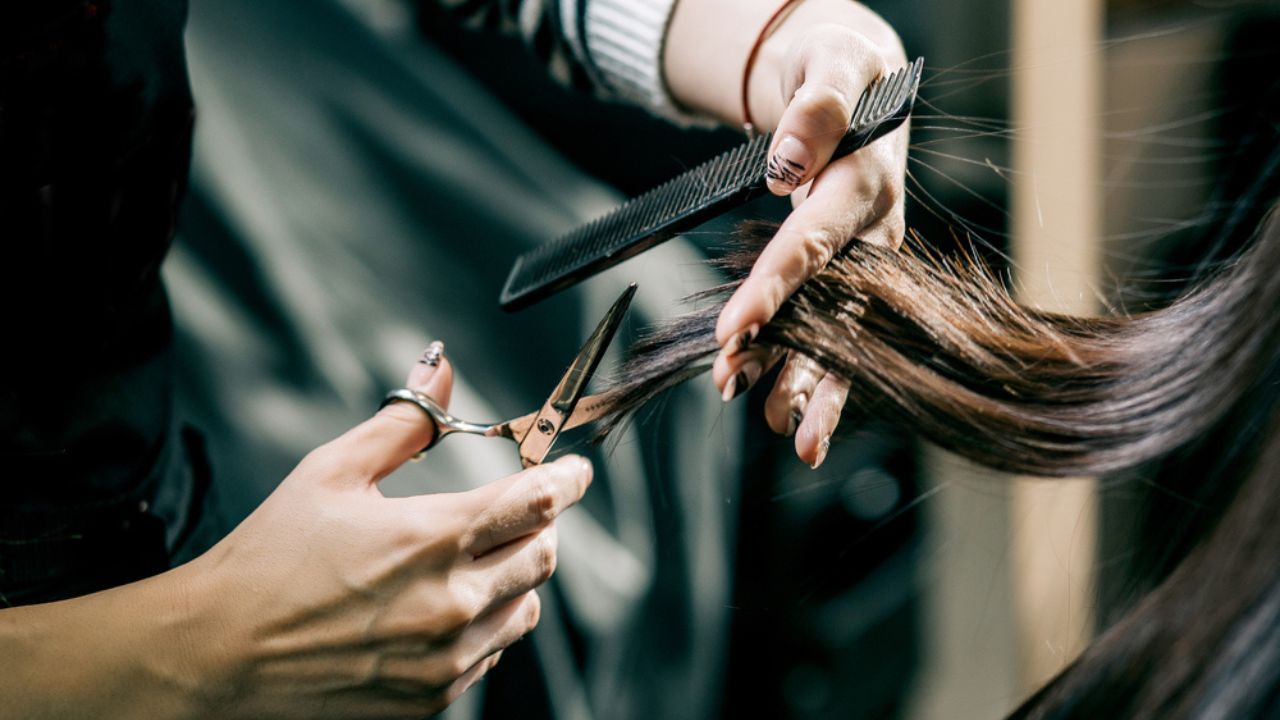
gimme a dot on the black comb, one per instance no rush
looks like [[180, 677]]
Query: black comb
[[729, 180]]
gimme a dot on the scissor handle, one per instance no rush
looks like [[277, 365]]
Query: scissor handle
[[445, 423]]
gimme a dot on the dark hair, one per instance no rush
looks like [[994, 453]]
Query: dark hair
[[937, 345]]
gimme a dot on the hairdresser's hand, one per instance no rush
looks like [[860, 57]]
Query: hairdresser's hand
[[805, 80], [333, 601]]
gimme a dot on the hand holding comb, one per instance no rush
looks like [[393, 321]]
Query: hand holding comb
[[728, 180]]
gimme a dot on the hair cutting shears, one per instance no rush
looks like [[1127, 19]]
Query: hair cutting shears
[[566, 408]]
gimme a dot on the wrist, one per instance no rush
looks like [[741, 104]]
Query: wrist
[[149, 632], [706, 49], [178, 642], [709, 43], [205, 646], [109, 654]]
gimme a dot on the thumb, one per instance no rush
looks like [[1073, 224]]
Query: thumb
[[835, 64], [379, 445]]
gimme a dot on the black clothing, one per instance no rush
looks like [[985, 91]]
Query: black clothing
[[95, 136]]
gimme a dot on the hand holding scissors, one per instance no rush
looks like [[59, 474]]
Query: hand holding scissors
[[537, 431]]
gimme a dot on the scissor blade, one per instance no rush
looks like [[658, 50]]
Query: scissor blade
[[589, 409], [558, 408]]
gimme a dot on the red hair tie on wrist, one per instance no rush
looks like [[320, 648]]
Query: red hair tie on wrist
[[747, 124]]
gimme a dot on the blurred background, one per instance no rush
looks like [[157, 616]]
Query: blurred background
[[365, 171]]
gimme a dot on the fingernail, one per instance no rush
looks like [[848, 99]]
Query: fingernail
[[431, 356], [742, 340], [426, 367], [823, 447], [788, 165], [729, 389], [799, 404], [746, 377]]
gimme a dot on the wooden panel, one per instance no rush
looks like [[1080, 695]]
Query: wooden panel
[[1056, 95]]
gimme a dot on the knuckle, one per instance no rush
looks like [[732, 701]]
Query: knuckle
[[468, 539], [542, 500], [461, 685], [442, 669], [435, 538], [814, 249], [889, 196], [830, 105], [808, 251], [456, 665], [533, 612], [453, 611], [546, 557]]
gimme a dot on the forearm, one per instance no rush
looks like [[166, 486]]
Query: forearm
[[708, 42], [118, 654]]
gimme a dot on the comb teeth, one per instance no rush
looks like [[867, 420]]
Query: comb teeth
[[882, 108], [691, 198], [651, 216]]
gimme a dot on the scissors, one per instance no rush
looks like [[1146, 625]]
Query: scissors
[[565, 409]]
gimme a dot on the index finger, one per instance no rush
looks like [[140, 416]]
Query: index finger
[[842, 202], [376, 447], [523, 503]]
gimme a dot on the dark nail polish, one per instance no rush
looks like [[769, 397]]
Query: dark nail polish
[[431, 356], [746, 377], [797, 417], [781, 172], [799, 405], [788, 164], [743, 340]]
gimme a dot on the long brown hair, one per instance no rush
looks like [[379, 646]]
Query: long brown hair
[[938, 345]]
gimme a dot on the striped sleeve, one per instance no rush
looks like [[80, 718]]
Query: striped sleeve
[[610, 47]]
